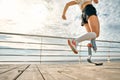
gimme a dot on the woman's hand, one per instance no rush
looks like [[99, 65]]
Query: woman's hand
[[64, 17], [95, 1]]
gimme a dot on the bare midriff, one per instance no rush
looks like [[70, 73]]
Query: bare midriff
[[85, 4]]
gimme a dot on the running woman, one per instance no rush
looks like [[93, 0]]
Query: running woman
[[89, 21]]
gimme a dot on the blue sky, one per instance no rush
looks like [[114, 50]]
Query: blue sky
[[43, 17]]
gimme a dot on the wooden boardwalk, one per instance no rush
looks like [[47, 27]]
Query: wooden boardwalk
[[84, 71]]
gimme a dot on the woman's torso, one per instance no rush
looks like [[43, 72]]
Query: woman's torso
[[83, 3]]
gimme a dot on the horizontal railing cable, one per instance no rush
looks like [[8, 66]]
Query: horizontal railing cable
[[57, 55], [56, 50], [37, 43], [20, 34]]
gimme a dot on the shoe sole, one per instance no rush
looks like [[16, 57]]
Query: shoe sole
[[72, 48]]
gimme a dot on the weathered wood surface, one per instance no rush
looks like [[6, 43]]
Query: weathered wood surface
[[109, 71]]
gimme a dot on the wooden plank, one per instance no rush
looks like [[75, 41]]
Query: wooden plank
[[109, 71], [6, 68], [53, 71], [10, 75], [91, 72], [45, 74], [83, 72], [31, 74]]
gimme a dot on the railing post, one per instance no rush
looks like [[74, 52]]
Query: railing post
[[40, 50], [80, 60], [108, 59]]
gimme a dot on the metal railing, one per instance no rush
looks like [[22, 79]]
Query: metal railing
[[53, 50]]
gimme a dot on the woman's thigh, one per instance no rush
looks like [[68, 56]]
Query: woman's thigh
[[94, 25], [87, 27]]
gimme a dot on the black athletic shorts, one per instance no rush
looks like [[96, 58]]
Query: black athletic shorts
[[87, 12]]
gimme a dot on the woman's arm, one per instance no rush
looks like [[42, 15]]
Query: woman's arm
[[66, 8], [95, 1]]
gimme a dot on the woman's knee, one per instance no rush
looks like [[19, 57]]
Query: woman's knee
[[97, 33]]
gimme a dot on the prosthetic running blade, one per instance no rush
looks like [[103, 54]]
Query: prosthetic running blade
[[90, 61], [90, 55]]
